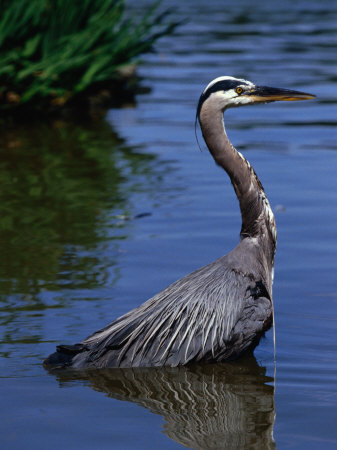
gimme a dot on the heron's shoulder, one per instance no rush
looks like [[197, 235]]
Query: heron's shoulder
[[220, 275], [246, 259]]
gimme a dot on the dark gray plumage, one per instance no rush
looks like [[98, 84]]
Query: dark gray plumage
[[219, 311]]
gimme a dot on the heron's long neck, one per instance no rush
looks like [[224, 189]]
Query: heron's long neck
[[257, 216]]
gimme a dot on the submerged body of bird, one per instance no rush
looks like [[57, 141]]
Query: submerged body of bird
[[219, 311]]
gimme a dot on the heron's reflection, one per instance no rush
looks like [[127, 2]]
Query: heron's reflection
[[219, 406]]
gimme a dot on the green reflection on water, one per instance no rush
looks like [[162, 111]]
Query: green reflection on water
[[61, 185]]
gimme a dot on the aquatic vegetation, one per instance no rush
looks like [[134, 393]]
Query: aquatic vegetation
[[65, 52]]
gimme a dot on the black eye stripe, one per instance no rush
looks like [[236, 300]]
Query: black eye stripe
[[222, 85]]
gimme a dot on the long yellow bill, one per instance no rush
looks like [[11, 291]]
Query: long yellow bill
[[270, 94]]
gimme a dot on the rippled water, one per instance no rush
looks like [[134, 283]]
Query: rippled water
[[77, 250]]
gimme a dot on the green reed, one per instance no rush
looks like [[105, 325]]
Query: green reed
[[56, 52]]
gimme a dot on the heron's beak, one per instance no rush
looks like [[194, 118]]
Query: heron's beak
[[270, 94]]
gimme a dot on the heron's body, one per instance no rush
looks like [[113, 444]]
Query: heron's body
[[221, 310]]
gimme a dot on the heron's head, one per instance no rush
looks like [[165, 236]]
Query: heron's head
[[225, 92]]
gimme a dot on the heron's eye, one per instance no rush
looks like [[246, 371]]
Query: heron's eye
[[239, 90]]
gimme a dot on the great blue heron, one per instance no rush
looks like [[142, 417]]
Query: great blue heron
[[219, 311]]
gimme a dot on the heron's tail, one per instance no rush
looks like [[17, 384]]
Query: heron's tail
[[63, 356]]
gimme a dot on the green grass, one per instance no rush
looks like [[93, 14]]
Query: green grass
[[57, 52]]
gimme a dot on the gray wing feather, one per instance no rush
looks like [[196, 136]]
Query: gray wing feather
[[205, 316]]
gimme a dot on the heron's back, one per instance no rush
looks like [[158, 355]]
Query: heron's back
[[212, 314]]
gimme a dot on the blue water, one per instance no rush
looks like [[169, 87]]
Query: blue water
[[75, 255]]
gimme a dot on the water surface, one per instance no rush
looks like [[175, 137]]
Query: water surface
[[77, 250]]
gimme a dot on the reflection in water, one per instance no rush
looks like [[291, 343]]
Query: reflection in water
[[219, 406], [63, 190], [60, 186]]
